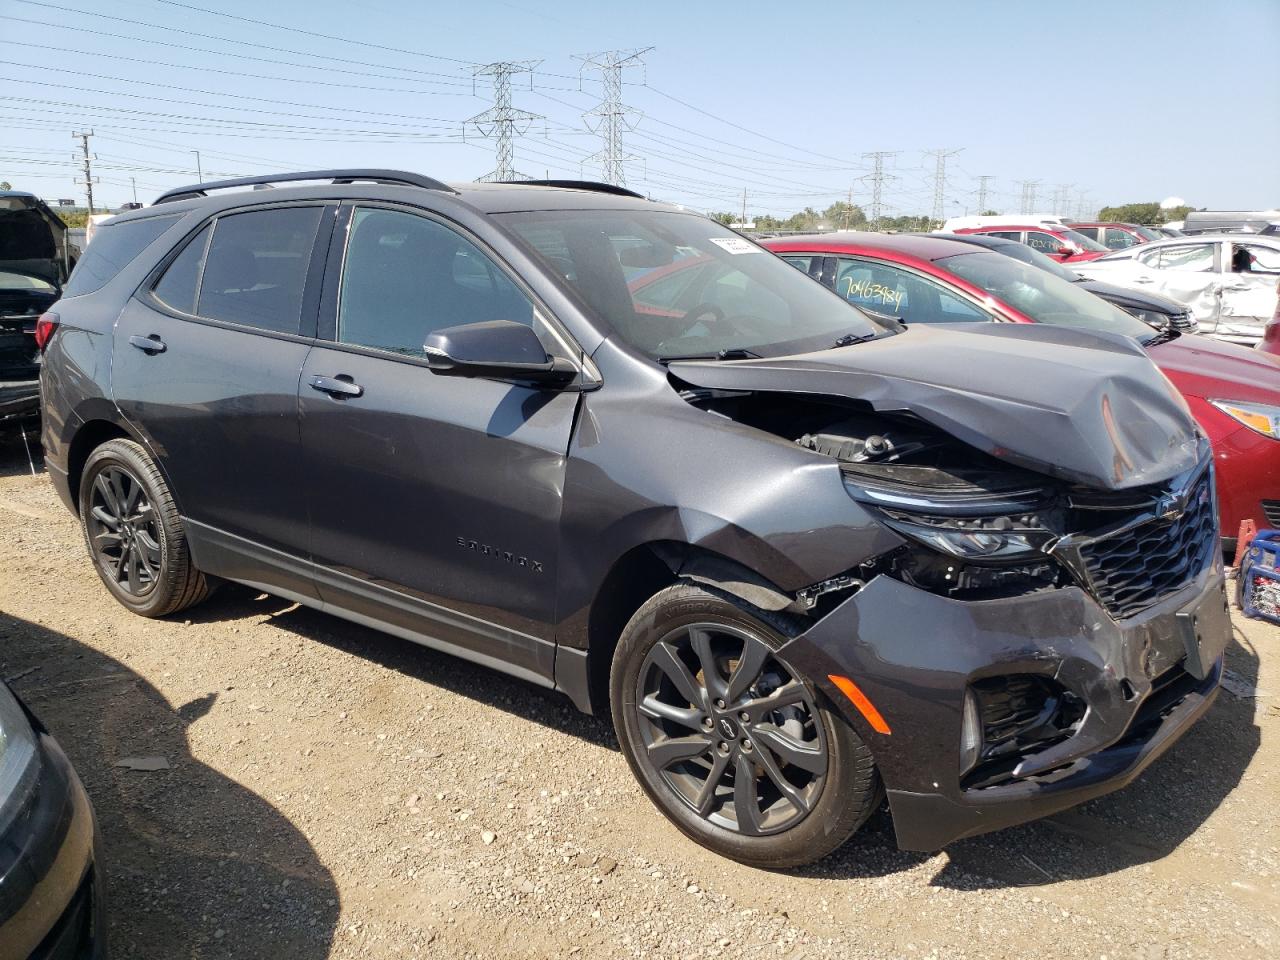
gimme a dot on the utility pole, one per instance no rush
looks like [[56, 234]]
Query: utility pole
[[611, 115], [982, 192], [88, 175], [502, 121], [133, 182], [1028, 196], [940, 179], [743, 221], [199, 169], [877, 178]]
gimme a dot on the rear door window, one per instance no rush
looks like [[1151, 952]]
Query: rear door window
[[1014, 235], [1117, 239], [1090, 232], [256, 268], [1197, 257], [181, 281], [113, 248]]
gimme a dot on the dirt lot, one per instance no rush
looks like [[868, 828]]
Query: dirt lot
[[334, 792]]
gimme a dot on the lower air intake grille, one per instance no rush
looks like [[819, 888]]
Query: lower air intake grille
[[1271, 508], [1133, 570]]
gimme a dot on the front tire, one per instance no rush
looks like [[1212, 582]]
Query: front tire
[[733, 746], [134, 533]]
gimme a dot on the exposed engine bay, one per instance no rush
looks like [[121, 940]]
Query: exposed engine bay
[[977, 527]]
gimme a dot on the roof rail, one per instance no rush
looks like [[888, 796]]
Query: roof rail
[[578, 185], [399, 177]]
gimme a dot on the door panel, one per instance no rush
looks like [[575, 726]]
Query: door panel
[[1187, 273], [441, 490], [219, 408], [434, 501], [205, 365]]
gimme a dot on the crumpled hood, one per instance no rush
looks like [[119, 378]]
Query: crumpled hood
[[1089, 408]]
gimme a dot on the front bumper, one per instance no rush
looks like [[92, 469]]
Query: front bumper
[[914, 655], [50, 892]]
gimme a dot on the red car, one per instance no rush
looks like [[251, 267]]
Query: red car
[[1117, 236], [1061, 243], [1233, 392]]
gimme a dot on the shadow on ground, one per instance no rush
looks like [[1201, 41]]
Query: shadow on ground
[[196, 865], [1140, 824]]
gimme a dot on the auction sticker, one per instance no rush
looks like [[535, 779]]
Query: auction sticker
[[736, 245]]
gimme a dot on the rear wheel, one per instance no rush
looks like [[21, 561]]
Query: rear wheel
[[734, 746], [134, 533]]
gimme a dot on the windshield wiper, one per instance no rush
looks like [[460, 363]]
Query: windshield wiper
[[1162, 336], [733, 353], [849, 339]]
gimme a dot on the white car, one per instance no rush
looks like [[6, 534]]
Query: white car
[[1228, 281]]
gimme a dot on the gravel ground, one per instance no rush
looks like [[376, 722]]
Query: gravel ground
[[334, 792]]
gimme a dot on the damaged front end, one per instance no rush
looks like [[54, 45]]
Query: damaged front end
[[1032, 642]]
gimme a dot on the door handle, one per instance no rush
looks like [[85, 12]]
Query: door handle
[[149, 345], [1239, 287], [337, 387], [1143, 280]]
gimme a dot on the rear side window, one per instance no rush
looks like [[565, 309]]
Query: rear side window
[[113, 248], [181, 280], [256, 267], [1006, 234]]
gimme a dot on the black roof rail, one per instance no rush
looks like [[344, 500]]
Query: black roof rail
[[579, 185], [398, 177]]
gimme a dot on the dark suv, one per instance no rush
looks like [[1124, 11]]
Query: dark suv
[[802, 555]]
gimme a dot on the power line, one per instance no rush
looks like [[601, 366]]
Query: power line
[[611, 114], [500, 121]]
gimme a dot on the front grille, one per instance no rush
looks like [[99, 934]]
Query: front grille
[[1132, 570], [1183, 323], [1271, 509]]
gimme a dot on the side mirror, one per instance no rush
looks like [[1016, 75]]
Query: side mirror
[[498, 349], [1066, 251]]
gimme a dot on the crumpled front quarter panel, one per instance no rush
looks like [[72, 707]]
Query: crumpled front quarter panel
[[646, 467]]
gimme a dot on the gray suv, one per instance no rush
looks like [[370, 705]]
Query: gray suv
[[805, 558]]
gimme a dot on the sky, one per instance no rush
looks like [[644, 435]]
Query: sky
[[1100, 102]]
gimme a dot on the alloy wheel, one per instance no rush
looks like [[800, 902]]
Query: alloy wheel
[[124, 531], [730, 730]]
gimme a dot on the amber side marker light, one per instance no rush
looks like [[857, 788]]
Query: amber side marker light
[[859, 700]]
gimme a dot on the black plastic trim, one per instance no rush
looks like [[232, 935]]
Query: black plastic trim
[[397, 177]]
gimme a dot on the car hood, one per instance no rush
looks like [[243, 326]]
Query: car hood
[[1136, 299], [1085, 407], [1212, 369]]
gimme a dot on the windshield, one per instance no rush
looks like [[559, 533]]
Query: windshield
[[679, 285], [1042, 297], [1085, 243], [1027, 254]]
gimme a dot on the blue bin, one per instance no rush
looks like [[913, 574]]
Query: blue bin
[[1260, 577]]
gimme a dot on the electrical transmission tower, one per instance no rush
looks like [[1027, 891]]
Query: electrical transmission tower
[[85, 158], [1062, 198], [940, 179], [877, 176], [982, 192], [611, 116], [1028, 196], [502, 122]]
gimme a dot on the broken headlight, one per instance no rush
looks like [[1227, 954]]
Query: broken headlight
[[961, 520], [1001, 537]]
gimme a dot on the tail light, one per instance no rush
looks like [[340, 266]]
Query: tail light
[[45, 327]]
